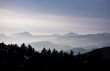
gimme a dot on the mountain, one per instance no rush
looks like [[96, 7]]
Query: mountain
[[96, 39], [41, 44], [71, 34], [66, 47], [65, 41], [23, 34], [91, 39], [3, 36], [77, 50], [85, 49], [105, 53], [98, 36]]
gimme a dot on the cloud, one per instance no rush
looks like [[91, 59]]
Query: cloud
[[15, 21]]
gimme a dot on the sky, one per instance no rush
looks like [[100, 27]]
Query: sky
[[55, 16]]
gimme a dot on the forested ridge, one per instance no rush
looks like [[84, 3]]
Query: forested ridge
[[22, 58]]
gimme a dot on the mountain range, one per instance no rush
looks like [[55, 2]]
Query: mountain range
[[66, 42]]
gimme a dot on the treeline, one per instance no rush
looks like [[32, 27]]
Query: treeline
[[21, 58]]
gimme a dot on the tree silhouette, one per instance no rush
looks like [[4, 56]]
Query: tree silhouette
[[30, 51], [71, 53], [13, 57]]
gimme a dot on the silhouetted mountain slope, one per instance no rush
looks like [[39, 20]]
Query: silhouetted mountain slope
[[105, 53]]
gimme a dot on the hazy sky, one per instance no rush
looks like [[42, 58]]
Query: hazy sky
[[55, 16]]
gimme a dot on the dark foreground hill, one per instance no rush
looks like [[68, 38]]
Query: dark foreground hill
[[25, 58]]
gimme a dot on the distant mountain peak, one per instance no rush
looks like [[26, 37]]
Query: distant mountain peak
[[3, 35], [23, 34], [71, 34]]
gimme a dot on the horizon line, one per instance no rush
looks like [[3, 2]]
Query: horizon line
[[47, 34]]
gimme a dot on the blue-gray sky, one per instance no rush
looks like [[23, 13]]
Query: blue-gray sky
[[55, 16]]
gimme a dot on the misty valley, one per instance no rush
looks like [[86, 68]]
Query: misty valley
[[67, 52], [54, 35], [67, 42]]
